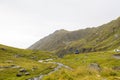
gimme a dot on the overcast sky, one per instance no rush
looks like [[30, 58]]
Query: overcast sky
[[23, 22]]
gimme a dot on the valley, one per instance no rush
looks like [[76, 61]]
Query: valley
[[85, 54], [100, 65]]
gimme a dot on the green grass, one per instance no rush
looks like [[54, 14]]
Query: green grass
[[79, 62], [27, 59], [81, 71]]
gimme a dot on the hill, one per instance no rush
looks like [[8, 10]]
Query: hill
[[101, 38], [92, 66], [19, 64]]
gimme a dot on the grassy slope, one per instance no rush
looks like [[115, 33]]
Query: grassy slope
[[81, 71], [102, 38], [7, 59]]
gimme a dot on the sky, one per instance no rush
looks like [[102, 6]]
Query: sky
[[23, 22]]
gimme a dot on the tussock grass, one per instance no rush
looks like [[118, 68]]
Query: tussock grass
[[81, 71], [27, 59]]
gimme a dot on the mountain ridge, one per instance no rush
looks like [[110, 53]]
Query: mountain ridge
[[85, 40]]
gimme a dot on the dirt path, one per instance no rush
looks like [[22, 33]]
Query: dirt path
[[59, 66]]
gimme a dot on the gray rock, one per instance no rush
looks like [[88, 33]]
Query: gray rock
[[7, 67], [95, 66], [30, 79], [33, 57], [104, 79], [9, 61], [34, 68], [116, 68], [17, 67], [116, 56], [17, 55], [23, 70], [27, 73]]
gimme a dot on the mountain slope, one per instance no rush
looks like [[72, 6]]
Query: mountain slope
[[60, 38], [13, 60], [104, 37]]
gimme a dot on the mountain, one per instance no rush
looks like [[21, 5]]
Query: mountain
[[104, 37]]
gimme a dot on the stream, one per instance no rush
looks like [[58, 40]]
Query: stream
[[59, 65]]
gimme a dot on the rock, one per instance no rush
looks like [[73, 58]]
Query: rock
[[41, 61], [116, 56], [13, 65], [19, 74], [17, 55], [48, 59], [34, 68], [2, 49], [23, 70], [9, 61], [1, 66], [1, 69], [104, 79], [95, 66], [17, 67], [27, 73], [33, 57], [116, 35], [116, 68], [7, 67], [30, 79]]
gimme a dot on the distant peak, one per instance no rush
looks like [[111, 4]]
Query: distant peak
[[60, 31]]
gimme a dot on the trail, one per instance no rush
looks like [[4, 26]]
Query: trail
[[59, 66]]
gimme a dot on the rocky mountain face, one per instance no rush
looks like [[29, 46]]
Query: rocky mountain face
[[104, 37]]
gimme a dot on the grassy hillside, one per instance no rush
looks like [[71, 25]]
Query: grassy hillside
[[105, 37], [101, 38], [12, 60], [88, 66]]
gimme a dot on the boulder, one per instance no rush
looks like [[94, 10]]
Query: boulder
[[41, 61], [95, 66], [23, 70], [116, 68], [13, 65], [3, 49], [33, 57], [9, 61], [34, 68], [19, 74], [30, 79], [7, 67], [17, 55], [27, 73], [116, 56], [17, 67]]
